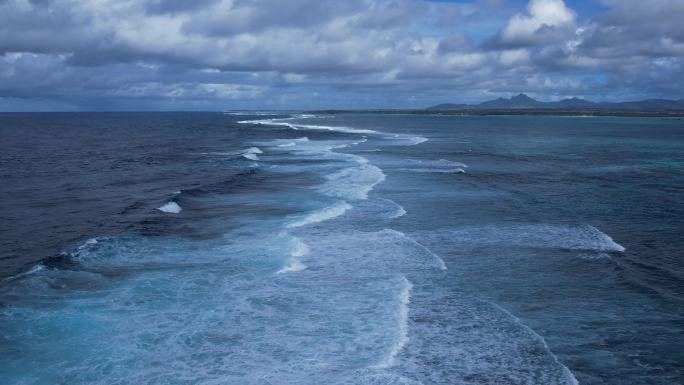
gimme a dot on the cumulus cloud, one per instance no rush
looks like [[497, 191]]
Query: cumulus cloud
[[545, 20], [313, 53]]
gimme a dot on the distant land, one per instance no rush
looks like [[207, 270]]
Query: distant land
[[524, 102], [525, 105]]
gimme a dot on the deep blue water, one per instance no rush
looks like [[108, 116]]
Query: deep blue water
[[211, 248]]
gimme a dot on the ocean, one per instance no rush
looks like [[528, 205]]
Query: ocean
[[295, 248]]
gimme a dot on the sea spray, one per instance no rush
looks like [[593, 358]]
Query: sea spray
[[299, 249]]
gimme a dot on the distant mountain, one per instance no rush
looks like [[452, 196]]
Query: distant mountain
[[450, 106], [524, 102], [516, 102], [574, 103]]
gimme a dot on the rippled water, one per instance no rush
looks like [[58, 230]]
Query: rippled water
[[214, 248]]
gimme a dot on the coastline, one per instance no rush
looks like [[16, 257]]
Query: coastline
[[513, 112]]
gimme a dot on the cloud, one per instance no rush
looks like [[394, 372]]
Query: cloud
[[546, 20], [515, 57], [190, 90], [325, 53], [636, 28]]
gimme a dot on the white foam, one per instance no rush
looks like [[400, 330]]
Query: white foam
[[403, 328], [272, 122], [251, 153], [573, 238], [33, 270], [283, 142], [264, 113], [282, 122], [324, 214], [436, 171], [410, 140], [318, 148], [540, 235], [353, 183], [299, 249], [440, 262], [257, 113], [406, 140], [595, 257], [610, 243], [435, 166], [250, 156], [170, 207], [346, 130], [253, 150], [418, 140], [569, 376], [88, 243], [398, 211], [295, 126], [442, 163], [292, 266]]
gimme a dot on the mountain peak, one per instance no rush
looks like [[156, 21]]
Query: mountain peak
[[522, 101], [522, 97]]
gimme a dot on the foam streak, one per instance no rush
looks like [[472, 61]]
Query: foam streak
[[324, 214], [403, 328]]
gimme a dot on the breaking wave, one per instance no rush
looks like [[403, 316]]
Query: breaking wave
[[171, 208], [321, 215]]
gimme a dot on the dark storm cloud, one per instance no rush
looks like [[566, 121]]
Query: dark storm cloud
[[312, 53]]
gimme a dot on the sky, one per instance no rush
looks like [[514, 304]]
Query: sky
[[98, 55]]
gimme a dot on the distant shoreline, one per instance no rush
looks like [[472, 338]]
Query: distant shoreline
[[475, 112], [516, 112]]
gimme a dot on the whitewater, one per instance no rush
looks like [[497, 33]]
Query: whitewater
[[308, 249]]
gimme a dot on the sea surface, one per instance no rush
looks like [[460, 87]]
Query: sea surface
[[293, 248]]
